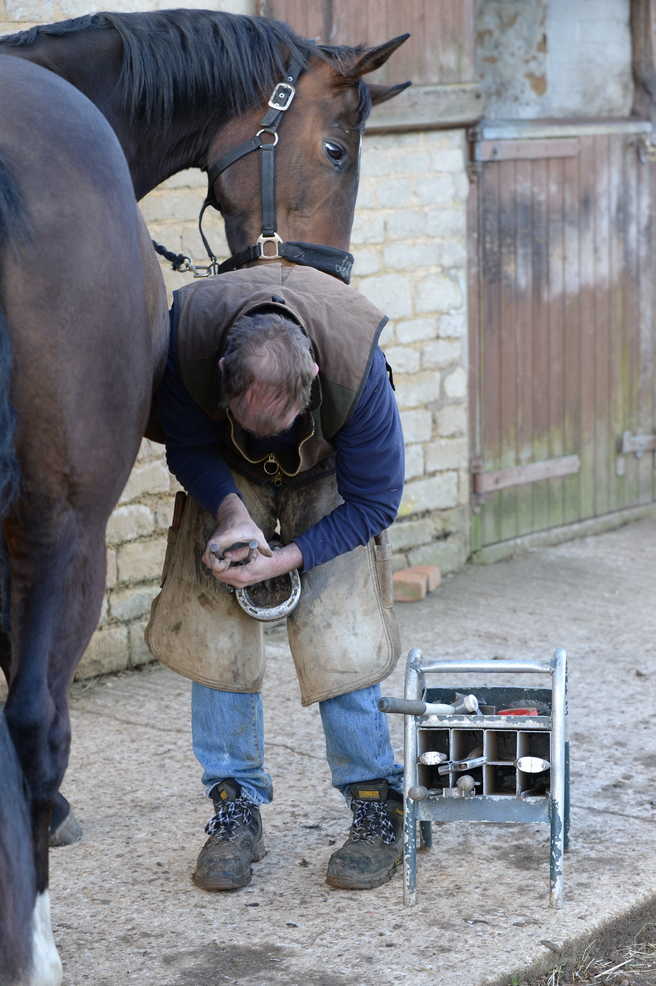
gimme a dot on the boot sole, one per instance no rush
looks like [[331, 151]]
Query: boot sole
[[259, 852], [342, 883]]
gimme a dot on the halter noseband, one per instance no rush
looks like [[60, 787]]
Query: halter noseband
[[269, 245]]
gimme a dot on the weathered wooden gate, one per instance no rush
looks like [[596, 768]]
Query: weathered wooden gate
[[562, 341]]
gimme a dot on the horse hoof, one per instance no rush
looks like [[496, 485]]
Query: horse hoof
[[66, 833]]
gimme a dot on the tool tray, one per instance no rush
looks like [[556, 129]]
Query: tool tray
[[502, 791], [504, 739]]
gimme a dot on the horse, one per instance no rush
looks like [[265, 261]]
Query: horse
[[96, 112]]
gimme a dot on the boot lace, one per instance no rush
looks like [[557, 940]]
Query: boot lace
[[229, 817], [371, 822]]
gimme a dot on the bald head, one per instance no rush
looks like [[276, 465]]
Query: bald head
[[267, 371]]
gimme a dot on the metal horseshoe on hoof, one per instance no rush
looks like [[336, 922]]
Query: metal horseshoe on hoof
[[268, 613]]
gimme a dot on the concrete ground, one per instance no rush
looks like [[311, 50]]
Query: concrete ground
[[126, 912]]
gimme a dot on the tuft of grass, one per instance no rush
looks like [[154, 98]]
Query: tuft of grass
[[601, 964]]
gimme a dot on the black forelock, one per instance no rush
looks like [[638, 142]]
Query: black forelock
[[173, 59]]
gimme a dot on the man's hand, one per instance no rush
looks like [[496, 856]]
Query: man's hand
[[260, 568], [235, 525]]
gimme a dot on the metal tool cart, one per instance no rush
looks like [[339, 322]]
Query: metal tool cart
[[489, 754]]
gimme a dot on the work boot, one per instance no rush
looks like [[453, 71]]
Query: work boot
[[235, 840], [374, 847]]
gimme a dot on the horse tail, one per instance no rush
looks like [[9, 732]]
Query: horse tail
[[17, 876]]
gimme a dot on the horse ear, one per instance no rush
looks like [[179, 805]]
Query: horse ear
[[380, 94], [373, 58]]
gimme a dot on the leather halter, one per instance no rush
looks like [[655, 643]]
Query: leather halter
[[269, 245]]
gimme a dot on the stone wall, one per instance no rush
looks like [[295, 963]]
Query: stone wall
[[409, 239]]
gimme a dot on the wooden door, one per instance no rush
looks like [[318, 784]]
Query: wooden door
[[562, 343]]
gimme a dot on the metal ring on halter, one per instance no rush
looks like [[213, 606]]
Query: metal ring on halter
[[262, 242], [272, 133], [268, 613]]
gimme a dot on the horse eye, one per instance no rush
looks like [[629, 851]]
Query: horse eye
[[334, 151]]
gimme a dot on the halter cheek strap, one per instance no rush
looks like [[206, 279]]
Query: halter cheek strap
[[269, 245]]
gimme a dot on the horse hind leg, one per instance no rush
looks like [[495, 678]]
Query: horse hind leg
[[57, 588]]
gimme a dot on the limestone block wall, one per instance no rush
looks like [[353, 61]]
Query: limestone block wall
[[409, 239]]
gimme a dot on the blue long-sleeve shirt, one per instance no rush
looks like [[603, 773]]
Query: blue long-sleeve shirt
[[369, 460]]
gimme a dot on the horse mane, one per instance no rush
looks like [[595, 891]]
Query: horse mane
[[174, 59]]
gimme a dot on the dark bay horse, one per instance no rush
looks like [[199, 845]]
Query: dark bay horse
[[94, 111]]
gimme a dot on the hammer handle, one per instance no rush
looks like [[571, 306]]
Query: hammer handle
[[405, 706]]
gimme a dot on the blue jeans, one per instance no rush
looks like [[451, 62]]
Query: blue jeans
[[228, 740]]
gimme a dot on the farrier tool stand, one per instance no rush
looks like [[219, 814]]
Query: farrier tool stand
[[500, 754]]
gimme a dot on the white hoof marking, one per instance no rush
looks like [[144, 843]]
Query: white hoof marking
[[46, 964]]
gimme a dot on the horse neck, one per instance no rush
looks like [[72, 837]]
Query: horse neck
[[91, 61]]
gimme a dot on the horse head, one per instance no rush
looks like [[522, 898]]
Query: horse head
[[317, 153]]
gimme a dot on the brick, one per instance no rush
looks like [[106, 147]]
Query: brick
[[414, 461], [460, 186], [390, 293], [180, 205], [150, 450], [417, 425], [446, 159], [452, 420], [450, 554], [446, 222], [397, 193], [409, 586], [146, 477], [440, 352], [191, 178], [452, 325], [130, 522], [107, 652], [130, 604], [366, 262], [417, 388], [435, 493], [141, 561], [104, 608], [410, 256], [397, 162], [368, 227], [416, 330], [455, 384], [432, 573], [409, 224], [448, 252], [38, 11], [439, 188], [446, 453], [402, 359], [163, 514], [367, 194], [410, 533], [112, 573], [388, 335], [438, 293], [139, 653]]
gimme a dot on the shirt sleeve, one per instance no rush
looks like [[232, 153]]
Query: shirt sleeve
[[370, 473], [192, 449]]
